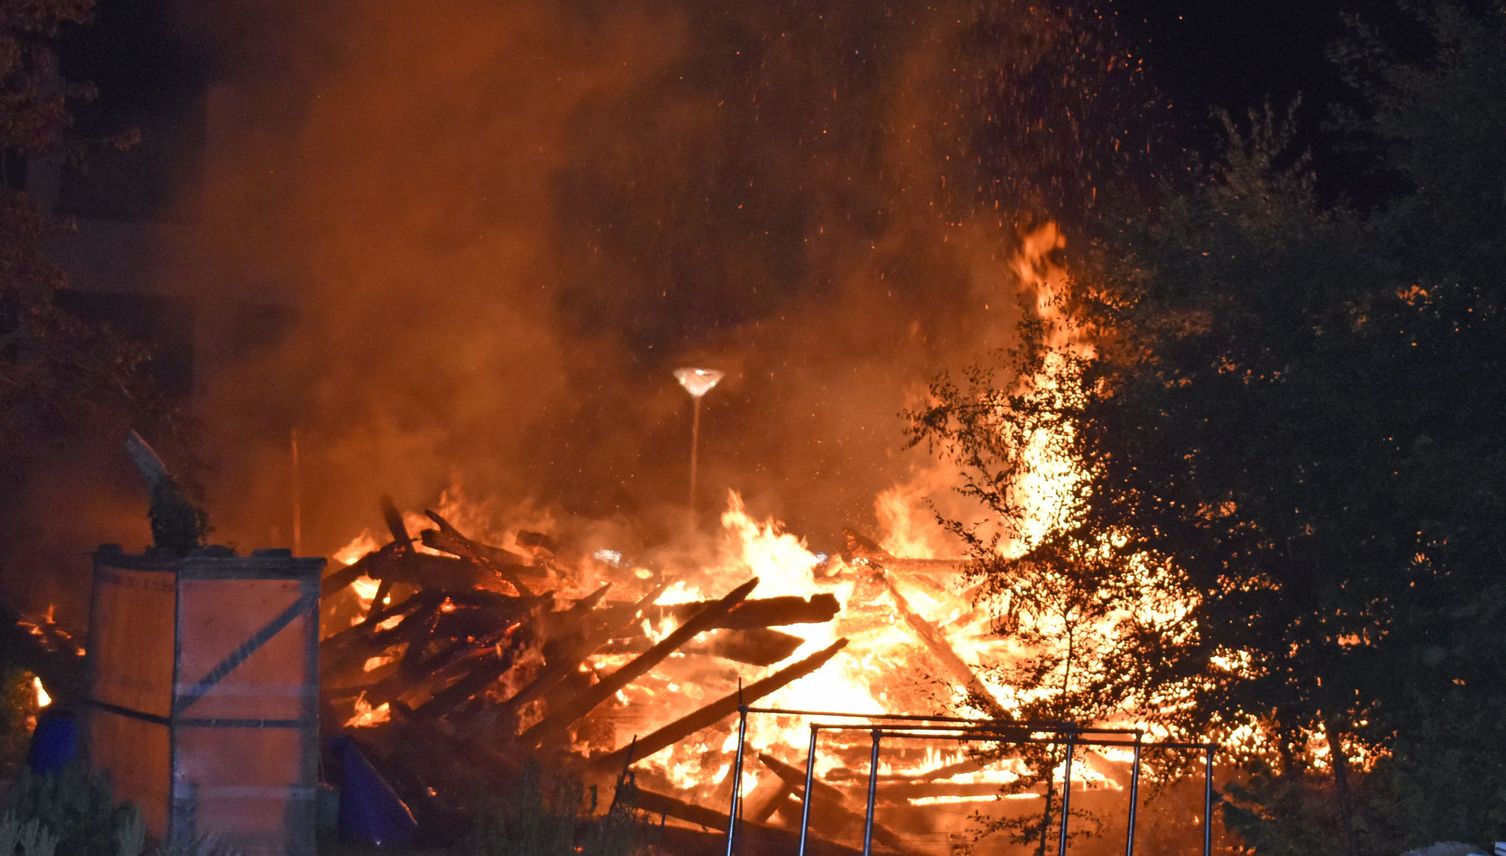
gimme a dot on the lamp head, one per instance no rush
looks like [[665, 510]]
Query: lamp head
[[698, 382]]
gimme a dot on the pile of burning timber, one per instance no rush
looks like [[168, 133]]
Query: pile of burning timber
[[470, 662]]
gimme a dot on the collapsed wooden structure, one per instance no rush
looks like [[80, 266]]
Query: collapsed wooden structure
[[470, 661]]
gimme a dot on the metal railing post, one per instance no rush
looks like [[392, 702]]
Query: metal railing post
[[805, 799], [1134, 799], [1061, 843], [872, 796], [735, 808], [1208, 805]]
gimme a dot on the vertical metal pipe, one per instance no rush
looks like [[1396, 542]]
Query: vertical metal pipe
[[1208, 805], [872, 796], [1134, 798], [695, 443], [297, 490], [737, 770], [1061, 842], [805, 798]]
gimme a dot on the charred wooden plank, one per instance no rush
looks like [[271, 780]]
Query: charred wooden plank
[[768, 796], [758, 647], [394, 520], [563, 666], [487, 599], [558, 720], [765, 612], [946, 771], [460, 622], [748, 831], [483, 666], [860, 548], [898, 791], [937, 644], [796, 779], [359, 635], [536, 541], [470, 550], [496, 559], [422, 633], [427, 570], [762, 647], [460, 657], [721, 709], [503, 653], [336, 580], [564, 631], [400, 539], [482, 675], [449, 540], [580, 621], [827, 800]]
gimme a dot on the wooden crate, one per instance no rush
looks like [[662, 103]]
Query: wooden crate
[[203, 675]]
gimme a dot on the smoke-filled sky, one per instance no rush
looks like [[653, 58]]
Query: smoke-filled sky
[[504, 224]]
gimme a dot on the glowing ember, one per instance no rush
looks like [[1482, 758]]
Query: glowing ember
[[43, 699], [374, 663], [366, 715], [365, 589]]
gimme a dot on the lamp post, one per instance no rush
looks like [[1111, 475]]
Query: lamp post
[[697, 382]]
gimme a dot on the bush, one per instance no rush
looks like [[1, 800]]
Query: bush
[[547, 814]]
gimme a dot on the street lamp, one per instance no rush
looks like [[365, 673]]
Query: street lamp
[[697, 382]]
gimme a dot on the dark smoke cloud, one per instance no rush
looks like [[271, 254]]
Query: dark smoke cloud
[[504, 224]]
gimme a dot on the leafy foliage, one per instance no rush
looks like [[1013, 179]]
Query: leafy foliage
[[64, 383], [1288, 521], [550, 812], [28, 838], [76, 807], [72, 812], [16, 701]]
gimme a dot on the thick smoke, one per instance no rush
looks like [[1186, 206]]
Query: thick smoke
[[502, 225]]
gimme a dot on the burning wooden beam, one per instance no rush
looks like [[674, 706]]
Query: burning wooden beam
[[501, 562], [482, 674], [403, 543], [828, 801], [447, 651], [557, 669], [860, 548], [336, 581], [758, 647], [766, 798], [719, 709], [796, 779], [574, 709], [748, 831], [390, 560], [765, 612], [491, 667], [936, 643]]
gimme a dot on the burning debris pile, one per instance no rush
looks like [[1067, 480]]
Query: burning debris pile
[[455, 663], [52, 653]]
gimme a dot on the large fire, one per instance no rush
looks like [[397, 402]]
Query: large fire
[[916, 640]]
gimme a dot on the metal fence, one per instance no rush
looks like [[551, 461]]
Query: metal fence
[[913, 726]]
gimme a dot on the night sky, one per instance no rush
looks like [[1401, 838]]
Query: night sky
[[1204, 55], [723, 274]]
